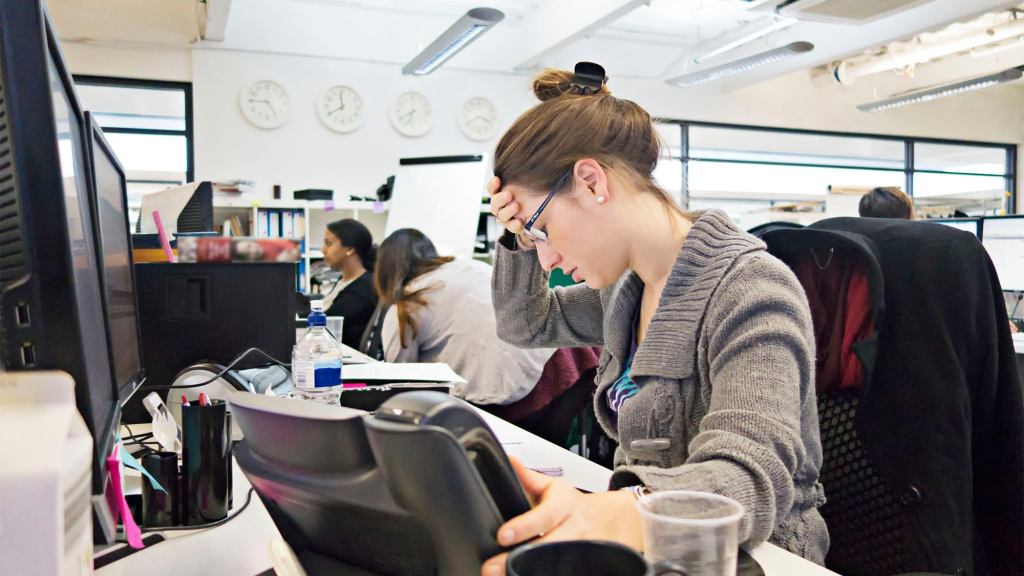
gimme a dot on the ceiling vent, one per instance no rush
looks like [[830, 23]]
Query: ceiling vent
[[840, 11]]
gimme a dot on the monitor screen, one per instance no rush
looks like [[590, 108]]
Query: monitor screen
[[115, 254], [88, 300], [1004, 241], [971, 225]]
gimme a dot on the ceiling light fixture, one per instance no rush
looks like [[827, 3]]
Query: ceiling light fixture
[[747, 33], [937, 92], [466, 29], [741, 65]]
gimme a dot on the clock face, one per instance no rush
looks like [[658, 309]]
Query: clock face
[[411, 114], [265, 104], [340, 108], [478, 118]]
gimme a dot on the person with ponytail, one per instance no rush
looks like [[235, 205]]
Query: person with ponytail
[[439, 310], [349, 248], [706, 378]]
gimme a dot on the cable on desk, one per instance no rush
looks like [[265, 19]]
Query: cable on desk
[[224, 371], [224, 520], [248, 498]]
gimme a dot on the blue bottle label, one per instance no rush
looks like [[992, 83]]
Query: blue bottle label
[[327, 374]]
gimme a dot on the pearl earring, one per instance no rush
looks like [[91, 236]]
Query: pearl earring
[[600, 199]]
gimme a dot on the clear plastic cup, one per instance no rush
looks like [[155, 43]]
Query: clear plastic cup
[[334, 326], [697, 531]]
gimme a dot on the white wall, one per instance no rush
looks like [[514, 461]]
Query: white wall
[[303, 153]]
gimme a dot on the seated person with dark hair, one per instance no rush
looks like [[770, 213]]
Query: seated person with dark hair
[[887, 202], [349, 248]]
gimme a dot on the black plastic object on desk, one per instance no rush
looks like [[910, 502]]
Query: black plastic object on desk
[[161, 508], [206, 462], [418, 492]]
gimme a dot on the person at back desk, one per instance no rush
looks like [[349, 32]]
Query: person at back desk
[[440, 310], [349, 248]]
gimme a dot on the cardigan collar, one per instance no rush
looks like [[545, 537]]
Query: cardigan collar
[[669, 348]]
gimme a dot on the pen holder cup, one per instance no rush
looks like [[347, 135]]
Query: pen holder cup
[[161, 508], [206, 462]]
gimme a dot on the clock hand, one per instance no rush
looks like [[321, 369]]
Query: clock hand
[[410, 113]]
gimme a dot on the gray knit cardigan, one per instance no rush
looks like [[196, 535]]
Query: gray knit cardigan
[[726, 400]]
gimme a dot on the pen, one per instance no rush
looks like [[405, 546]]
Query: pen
[[184, 400], [202, 399]]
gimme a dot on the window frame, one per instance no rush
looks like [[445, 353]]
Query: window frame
[[909, 169], [188, 132]]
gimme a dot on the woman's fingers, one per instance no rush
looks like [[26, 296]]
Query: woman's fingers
[[555, 506], [494, 566], [534, 483], [507, 212], [493, 186]]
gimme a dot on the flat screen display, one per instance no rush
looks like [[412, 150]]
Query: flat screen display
[[117, 272], [88, 301], [1004, 241]]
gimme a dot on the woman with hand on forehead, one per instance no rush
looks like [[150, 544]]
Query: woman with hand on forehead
[[707, 375]]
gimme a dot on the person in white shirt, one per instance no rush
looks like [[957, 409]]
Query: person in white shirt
[[440, 310]]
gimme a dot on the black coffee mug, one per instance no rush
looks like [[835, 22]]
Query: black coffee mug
[[591, 557]]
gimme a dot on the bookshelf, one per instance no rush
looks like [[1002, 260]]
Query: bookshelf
[[301, 219]]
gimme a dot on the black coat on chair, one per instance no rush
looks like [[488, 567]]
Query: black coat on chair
[[923, 460]]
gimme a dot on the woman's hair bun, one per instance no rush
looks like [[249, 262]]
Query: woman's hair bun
[[554, 83]]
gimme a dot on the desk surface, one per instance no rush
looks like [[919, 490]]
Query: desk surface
[[241, 545]]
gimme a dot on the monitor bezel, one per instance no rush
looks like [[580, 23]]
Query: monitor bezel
[[95, 138]]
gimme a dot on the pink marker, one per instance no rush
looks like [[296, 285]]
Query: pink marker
[[184, 400], [163, 237]]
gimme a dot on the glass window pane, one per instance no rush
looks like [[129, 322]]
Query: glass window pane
[[960, 158], [669, 175], [779, 182], [150, 152], [671, 138], [927, 185], [767, 146], [129, 107]]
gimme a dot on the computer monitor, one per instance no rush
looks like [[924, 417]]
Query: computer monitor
[[972, 225], [109, 193], [51, 302], [1004, 241]]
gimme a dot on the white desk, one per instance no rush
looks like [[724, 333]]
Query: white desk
[[241, 546]]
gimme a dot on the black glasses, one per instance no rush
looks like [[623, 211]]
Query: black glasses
[[540, 235]]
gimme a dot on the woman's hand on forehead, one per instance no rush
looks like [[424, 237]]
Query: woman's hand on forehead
[[504, 207]]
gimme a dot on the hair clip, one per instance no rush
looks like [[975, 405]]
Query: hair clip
[[587, 79]]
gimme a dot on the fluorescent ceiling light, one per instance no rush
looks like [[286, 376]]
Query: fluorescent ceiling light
[[741, 65], [942, 91], [747, 33], [466, 29]]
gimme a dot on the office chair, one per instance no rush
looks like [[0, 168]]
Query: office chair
[[920, 406]]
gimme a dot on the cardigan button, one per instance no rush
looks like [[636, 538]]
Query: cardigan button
[[910, 496], [651, 444]]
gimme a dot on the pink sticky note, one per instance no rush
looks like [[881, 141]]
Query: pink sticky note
[[329, 205], [118, 504]]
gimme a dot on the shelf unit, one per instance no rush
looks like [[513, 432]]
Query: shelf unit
[[316, 215]]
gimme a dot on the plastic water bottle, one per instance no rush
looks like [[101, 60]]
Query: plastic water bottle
[[316, 361]]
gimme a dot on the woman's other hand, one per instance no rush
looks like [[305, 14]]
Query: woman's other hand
[[504, 207], [561, 512]]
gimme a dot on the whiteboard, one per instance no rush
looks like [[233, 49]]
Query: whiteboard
[[441, 198]]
